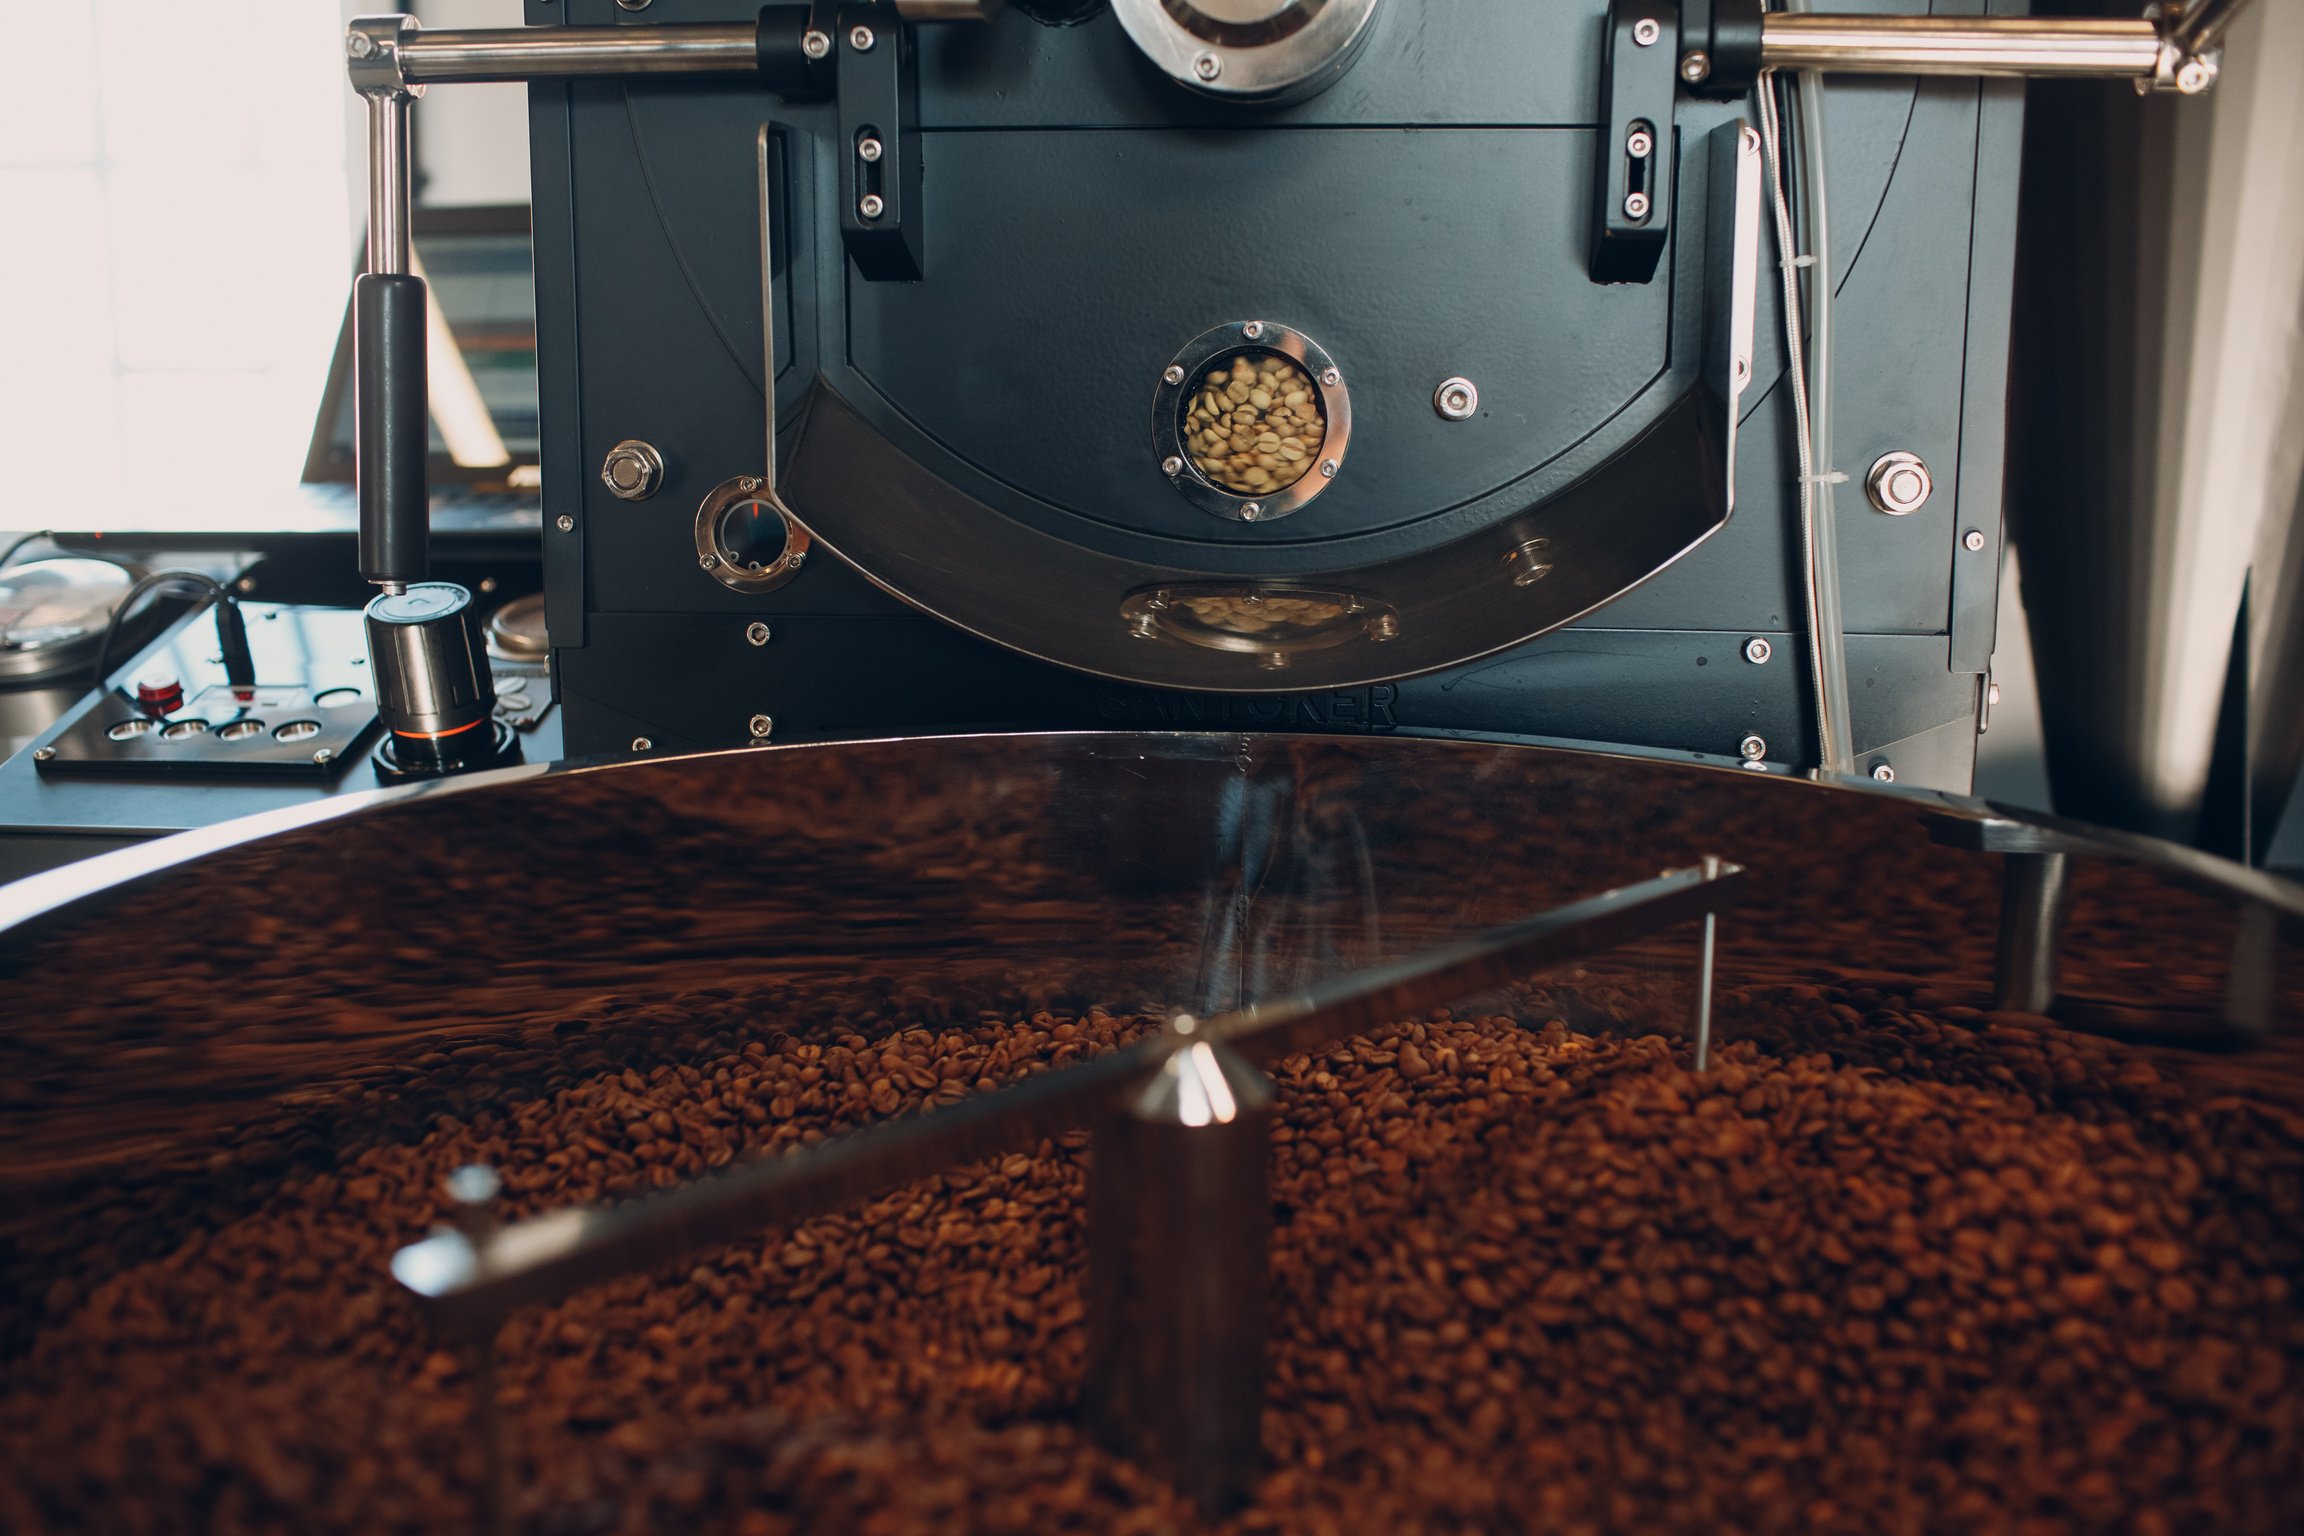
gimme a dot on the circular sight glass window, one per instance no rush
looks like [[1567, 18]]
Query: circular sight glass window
[[1254, 425]]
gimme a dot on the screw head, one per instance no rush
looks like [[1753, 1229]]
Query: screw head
[[756, 632], [1752, 747], [761, 727], [1884, 773], [324, 757], [564, 523], [1144, 627], [1640, 144], [1386, 627], [750, 482], [708, 562], [796, 559], [1251, 511], [1276, 661], [1331, 377], [44, 755], [1327, 469], [870, 150], [1645, 32], [1252, 329], [360, 45], [872, 205], [2195, 76], [1207, 66], [1456, 399], [1171, 466], [1972, 540], [1757, 650], [861, 39], [815, 44], [1695, 66], [642, 744], [1174, 373], [245, 584], [1636, 205]]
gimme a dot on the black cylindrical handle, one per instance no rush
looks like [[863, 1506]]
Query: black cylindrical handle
[[391, 436], [434, 690]]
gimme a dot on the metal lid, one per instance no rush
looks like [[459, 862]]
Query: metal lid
[[516, 630], [53, 613], [420, 604]]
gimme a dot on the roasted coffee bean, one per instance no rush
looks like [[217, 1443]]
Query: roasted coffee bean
[[1879, 1271]]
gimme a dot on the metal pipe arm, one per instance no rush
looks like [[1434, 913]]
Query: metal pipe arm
[[1960, 45]]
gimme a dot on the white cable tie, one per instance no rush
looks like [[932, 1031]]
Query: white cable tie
[[1804, 261], [1829, 477]]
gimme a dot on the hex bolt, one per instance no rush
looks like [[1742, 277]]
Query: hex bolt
[[756, 632], [1207, 66], [564, 523], [869, 150], [632, 470], [762, 727], [871, 205], [1884, 773], [1753, 748], [1898, 483], [1757, 650], [815, 44], [861, 39], [1645, 32], [642, 744], [1972, 540]]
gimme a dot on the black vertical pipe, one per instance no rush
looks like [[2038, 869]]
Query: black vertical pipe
[[391, 439]]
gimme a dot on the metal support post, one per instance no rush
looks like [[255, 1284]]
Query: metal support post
[[2035, 895], [1179, 1230], [1704, 948], [474, 1189]]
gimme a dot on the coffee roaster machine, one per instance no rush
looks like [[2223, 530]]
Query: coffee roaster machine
[[1229, 371], [883, 347]]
